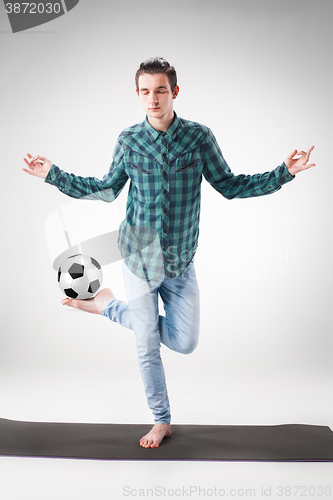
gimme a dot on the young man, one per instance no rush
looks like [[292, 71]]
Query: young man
[[165, 158]]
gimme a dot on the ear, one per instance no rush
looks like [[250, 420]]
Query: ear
[[175, 92], [137, 92]]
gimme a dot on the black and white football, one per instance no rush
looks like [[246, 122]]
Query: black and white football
[[80, 277]]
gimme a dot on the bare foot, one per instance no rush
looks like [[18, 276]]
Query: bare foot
[[155, 436], [94, 305]]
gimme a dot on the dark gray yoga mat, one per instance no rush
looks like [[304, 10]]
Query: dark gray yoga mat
[[290, 442]]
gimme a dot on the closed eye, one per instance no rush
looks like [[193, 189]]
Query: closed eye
[[158, 92]]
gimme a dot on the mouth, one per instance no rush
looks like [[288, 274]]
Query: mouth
[[154, 109]]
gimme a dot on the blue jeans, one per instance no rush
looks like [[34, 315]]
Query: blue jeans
[[178, 329]]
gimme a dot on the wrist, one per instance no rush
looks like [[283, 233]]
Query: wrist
[[289, 169]]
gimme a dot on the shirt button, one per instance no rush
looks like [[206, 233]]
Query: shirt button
[[164, 155], [165, 210], [165, 191], [164, 249], [164, 230], [164, 174]]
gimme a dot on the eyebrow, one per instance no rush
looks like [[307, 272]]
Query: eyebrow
[[160, 87]]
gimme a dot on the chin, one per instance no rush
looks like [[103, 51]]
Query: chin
[[157, 114]]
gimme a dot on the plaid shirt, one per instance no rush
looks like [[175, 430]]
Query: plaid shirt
[[160, 232]]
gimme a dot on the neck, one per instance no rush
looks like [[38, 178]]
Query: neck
[[162, 123]]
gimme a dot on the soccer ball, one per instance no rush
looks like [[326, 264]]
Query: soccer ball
[[80, 277]]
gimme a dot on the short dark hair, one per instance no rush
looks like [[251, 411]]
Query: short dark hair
[[156, 65]]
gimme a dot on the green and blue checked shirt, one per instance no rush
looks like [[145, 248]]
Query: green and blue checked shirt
[[165, 169]]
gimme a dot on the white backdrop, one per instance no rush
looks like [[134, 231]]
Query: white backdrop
[[259, 74]]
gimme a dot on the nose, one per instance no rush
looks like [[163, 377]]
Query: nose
[[153, 99]]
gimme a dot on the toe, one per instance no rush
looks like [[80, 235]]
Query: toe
[[148, 443], [67, 302]]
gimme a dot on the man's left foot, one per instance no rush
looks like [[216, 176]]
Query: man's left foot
[[156, 435], [94, 305]]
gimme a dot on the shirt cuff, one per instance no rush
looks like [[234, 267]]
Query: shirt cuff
[[53, 174], [283, 175]]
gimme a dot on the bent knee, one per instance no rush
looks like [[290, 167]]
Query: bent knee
[[188, 345]]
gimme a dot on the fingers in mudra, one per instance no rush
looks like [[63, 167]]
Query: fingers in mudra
[[298, 160], [32, 162], [303, 156], [303, 160]]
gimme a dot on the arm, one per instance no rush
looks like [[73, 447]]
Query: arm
[[219, 175], [75, 186]]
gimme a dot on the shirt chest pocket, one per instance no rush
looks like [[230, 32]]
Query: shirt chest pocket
[[139, 168], [143, 183], [187, 165], [187, 178]]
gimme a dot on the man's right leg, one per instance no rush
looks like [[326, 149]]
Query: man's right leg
[[143, 313]]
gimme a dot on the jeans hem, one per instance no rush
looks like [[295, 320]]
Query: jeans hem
[[107, 306]]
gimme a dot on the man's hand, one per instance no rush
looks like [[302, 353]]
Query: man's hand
[[39, 166], [299, 163]]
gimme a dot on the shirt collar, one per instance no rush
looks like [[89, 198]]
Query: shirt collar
[[156, 133]]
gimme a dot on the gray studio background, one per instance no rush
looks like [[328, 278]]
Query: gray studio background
[[259, 74]]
